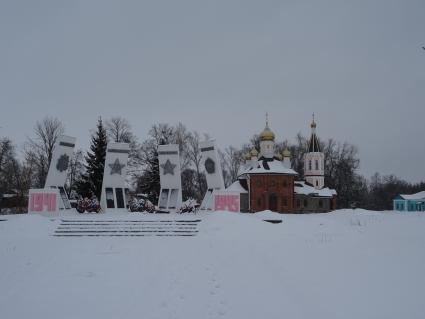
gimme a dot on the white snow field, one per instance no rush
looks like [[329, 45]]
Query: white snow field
[[343, 264]]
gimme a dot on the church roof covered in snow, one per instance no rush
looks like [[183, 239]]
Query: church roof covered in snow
[[264, 166], [304, 189], [237, 187]]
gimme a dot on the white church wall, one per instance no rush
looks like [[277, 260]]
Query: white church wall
[[267, 149], [314, 174]]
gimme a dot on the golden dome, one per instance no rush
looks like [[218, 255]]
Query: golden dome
[[254, 152], [286, 153], [248, 156], [279, 157], [267, 134]]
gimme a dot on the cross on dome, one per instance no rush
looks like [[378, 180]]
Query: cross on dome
[[267, 134], [313, 124]]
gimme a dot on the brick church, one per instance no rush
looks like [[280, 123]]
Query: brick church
[[267, 181]]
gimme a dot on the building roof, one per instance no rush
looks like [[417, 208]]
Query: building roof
[[264, 166], [237, 187], [417, 196], [313, 144], [302, 188]]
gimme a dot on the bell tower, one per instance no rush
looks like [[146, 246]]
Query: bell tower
[[314, 161]]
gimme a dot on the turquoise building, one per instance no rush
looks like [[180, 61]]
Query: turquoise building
[[410, 203]]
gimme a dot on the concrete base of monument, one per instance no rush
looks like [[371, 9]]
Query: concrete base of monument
[[122, 214]]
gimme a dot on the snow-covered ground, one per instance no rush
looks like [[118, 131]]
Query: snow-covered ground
[[339, 265]]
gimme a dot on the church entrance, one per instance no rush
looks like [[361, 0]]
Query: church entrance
[[273, 202]]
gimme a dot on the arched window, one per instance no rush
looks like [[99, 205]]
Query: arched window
[[317, 183], [309, 165], [317, 165]]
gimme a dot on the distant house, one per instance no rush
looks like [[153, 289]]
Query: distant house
[[410, 203]]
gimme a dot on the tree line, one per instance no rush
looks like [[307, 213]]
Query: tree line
[[29, 170]]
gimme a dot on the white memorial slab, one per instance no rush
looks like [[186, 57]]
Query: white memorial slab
[[170, 197], [58, 169], [114, 192], [212, 165]]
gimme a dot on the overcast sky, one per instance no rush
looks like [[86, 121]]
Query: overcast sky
[[218, 66]]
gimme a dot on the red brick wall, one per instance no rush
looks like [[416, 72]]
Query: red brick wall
[[262, 186]]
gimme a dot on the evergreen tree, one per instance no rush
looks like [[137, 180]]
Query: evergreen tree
[[149, 182], [91, 183]]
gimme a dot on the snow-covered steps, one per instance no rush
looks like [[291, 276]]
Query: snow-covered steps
[[127, 228]]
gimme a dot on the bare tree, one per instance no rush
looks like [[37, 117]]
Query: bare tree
[[298, 151], [7, 160], [75, 172], [226, 175], [39, 149], [6, 150], [119, 130], [12, 175], [233, 159], [341, 164], [195, 156]]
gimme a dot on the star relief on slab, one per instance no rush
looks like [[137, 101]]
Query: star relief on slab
[[63, 162], [116, 167], [210, 166], [168, 167]]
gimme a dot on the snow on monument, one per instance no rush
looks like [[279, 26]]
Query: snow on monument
[[113, 195], [170, 197], [58, 170], [212, 165]]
